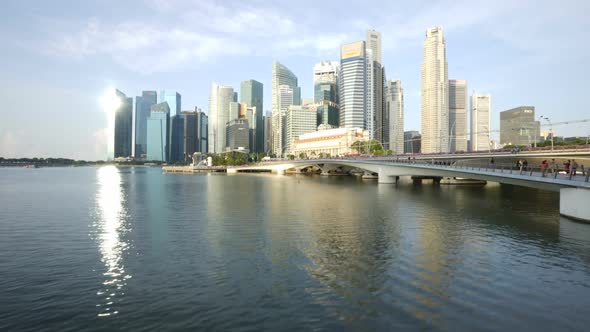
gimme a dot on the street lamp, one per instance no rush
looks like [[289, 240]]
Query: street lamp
[[550, 129]]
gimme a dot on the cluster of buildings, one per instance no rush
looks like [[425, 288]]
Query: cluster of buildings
[[352, 101]]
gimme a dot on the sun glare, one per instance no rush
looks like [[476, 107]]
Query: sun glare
[[110, 101]]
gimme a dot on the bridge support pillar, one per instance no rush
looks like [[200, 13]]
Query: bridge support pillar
[[573, 203], [385, 177], [231, 171]]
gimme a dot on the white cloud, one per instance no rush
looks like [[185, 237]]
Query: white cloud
[[202, 32]]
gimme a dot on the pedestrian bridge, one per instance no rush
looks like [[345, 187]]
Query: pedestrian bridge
[[574, 190]]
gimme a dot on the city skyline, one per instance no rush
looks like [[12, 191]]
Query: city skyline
[[75, 64]]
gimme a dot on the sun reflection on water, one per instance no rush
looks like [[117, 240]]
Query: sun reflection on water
[[108, 231]]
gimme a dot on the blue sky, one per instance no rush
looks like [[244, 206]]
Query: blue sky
[[58, 57]]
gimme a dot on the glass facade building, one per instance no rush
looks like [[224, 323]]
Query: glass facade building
[[251, 93], [285, 92], [238, 134], [157, 132], [173, 99], [220, 97], [123, 126], [519, 127], [353, 85], [143, 106], [202, 131]]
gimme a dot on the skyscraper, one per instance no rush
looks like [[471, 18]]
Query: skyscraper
[[285, 99], [220, 97], [376, 81], [123, 126], [202, 131], [394, 104], [190, 139], [176, 151], [173, 99], [237, 133], [435, 83], [157, 132], [519, 127], [285, 92], [268, 132], [175, 133], [374, 44], [353, 85], [370, 116], [458, 115], [480, 122], [300, 120], [325, 82], [143, 106], [251, 93]]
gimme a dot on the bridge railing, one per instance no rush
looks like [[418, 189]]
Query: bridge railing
[[581, 173]]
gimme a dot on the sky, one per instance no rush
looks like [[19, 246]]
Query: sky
[[58, 57]]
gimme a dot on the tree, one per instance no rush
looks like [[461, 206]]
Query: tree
[[302, 155], [291, 157]]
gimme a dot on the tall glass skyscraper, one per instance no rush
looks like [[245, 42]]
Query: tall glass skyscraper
[[458, 115], [173, 99], [157, 132], [220, 97], [353, 85], [394, 104], [143, 106], [435, 94], [285, 92], [325, 85], [481, 110], [202, 131], [251, 93], [123, 126]]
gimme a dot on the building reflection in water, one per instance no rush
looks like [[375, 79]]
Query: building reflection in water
[[108, 231]]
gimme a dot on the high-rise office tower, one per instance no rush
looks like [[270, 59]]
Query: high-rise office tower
[[394, 105], [285, 99], [380, 124], [251, 93], [325, 84], [176, 151], [234, 110], [519, 127], [190, 139], [123, 126], [370, 115], [353, 85], [300, 120], [412, 140], [374, 44], [435, 83], [158, 125], [173, 99], [237, 133], [202, 131], [220, 97], [143, 106], [268, 132], [175, 134], [285, 92], [458, 115], [481, 108]]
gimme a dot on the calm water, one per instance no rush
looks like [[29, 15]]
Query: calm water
[[106, 249]]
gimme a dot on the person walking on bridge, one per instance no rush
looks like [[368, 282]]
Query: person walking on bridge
[[553, 166], [544, 166], [574, 167]]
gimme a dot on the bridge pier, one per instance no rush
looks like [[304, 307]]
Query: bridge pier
[[386, 177], [573, 203]]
